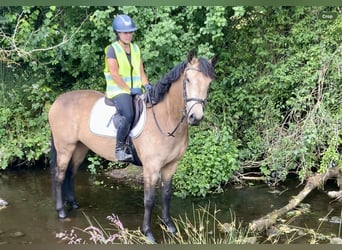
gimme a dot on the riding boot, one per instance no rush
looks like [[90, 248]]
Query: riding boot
[[122, 132]]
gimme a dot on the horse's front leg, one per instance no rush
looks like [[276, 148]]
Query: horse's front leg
[[166, 201], [166, 174], [149, 198], [150, 180]]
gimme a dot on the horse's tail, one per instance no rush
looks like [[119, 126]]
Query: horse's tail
[[53, 164]]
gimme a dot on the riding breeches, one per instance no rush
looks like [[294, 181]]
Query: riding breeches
[[124, 105]]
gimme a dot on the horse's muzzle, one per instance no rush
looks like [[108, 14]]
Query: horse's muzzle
[[195, 112], [194, 120]]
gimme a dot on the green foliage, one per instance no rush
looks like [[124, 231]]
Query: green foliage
[[165, 41], [23, 130], [96, 164], [283, 85], [276, 100], [211, 160]]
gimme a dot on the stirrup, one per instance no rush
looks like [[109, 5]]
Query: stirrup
[[121, 155]]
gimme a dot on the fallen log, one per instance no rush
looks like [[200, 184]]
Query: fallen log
[[317, 180]]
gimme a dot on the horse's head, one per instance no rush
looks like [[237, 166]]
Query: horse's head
[[197, 78]]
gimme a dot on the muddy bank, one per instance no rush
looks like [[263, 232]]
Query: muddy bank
[[128, 175]]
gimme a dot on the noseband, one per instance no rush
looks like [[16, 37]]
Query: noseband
[[186, 100]]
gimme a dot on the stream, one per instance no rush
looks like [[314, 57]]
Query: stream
[[30, 216]]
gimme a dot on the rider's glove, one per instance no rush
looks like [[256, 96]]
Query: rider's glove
[[148, 87], [136, 91]]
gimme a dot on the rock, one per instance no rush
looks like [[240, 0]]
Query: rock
[[250, 240], [275, 191], [335, 219], [336, 240], [3, 203], [17, 234], [272, 231], [129, 174], [335, 194], [226, 227]]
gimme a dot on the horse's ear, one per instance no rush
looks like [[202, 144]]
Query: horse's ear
[[191, 55], [214, 60]]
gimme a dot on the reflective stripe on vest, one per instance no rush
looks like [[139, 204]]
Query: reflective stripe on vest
[[124, 67]]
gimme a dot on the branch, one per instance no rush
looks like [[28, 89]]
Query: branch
[[313, 182], [14, 48]]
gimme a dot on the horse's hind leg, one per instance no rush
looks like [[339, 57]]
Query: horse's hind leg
[[59, 176], [67, 163], [59, 163], [68, 187]]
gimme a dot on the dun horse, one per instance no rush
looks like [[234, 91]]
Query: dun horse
[[180, 98]]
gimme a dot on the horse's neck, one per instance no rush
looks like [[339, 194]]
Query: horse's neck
[[173, 109], [175, 101], [170, 111]]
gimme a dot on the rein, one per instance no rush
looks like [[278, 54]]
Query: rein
[[184, 112]]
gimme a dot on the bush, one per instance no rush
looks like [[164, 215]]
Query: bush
[[210, 161], [24, 132]]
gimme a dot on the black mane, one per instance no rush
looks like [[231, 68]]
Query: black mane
[[162, 86]]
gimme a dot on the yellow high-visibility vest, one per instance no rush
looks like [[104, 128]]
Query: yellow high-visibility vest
[[130, 73]]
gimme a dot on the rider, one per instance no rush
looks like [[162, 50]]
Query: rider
[[125, 76]]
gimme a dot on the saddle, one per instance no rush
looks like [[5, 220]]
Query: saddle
[[103, 114], [103, 117]]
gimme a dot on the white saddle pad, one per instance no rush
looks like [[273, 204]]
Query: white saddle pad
[[101, 120]]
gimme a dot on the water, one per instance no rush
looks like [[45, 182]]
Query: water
[[31, 210]]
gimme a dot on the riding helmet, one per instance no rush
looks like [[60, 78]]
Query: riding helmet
[[123, 23]]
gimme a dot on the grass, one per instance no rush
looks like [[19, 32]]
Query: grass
[[95, 233], [202, 227]]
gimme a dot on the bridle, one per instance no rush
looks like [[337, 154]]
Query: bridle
[[185, 96], [186, 100]]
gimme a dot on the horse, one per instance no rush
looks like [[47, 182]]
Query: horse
[[179, 96]]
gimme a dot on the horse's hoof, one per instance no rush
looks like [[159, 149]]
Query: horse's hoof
[[169, 226], [150, 238], [61, 214], [73, 204], [148, 234]]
